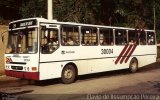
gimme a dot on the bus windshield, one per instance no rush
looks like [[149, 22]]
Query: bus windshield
[[22, 41]]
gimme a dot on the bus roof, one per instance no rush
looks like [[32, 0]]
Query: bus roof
[[74, 23]]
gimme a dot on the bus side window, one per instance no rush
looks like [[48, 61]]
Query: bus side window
[[121, 37], [142, 37], [150, 38], [70, 36], [49, 40], [106, 37], [89, 36], [133, 37]]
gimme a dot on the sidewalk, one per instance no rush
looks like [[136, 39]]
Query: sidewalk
[[7, 82], [4, 78]]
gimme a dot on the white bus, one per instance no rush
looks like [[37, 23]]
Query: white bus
[[41, 49]]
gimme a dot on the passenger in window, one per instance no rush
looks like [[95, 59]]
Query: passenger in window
[[76, 42], [104, 42], [70, 41], [64, 41], [123, 43], [143, 42], [112, 43], [131, 42], [150, 42], [53, 43], [87, 43], [93, 43]]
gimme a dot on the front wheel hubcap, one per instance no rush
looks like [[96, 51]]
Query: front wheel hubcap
[[68, 74]]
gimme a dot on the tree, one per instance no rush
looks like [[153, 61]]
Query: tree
[[33, 8], [128, 13], [9, 9], [83, 11]]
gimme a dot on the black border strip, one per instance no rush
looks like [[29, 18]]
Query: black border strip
[[94, 58], [23, 63]]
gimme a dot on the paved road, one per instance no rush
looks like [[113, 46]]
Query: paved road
[[145, 81]]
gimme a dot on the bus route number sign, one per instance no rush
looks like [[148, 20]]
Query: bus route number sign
[[106, 51]]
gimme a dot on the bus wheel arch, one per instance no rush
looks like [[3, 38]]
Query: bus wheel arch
[[69, 73], [133, 65]]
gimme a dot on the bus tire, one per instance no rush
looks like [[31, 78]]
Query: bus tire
[[68, 74], [133, 66]]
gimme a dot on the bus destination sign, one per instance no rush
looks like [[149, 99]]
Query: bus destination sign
[[23, 24]]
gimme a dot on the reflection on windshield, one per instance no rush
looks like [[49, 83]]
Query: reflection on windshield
[[22, 41]]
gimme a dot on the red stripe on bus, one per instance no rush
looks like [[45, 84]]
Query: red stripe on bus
[[126, 60], [126, 53], [120, 55]]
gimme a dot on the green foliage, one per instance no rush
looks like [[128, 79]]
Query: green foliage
[[123, 13], [128, 13], [83, 11], [33, 8]]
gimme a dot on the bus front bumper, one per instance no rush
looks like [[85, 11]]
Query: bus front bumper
[[23, 75]]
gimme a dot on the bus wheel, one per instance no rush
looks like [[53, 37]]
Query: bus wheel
[[133, 67], [68, 74]]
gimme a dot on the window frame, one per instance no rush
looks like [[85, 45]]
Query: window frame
[[78, 35], [154, 37], [123, 36], [92, 30], [58, 45], [109, 38]]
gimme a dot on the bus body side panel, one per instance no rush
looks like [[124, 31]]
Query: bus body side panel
[[51, 65], [50, 70], [88, 59], [93, 59], [145, 54]]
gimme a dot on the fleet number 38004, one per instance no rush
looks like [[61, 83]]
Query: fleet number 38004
[[106, 51]]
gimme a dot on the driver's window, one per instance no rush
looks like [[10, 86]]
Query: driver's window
[[49, 40]]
